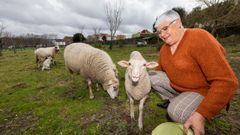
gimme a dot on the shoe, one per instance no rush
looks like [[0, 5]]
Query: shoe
[[164, 104], [169, 118]]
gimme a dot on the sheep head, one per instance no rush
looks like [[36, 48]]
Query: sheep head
[[136, 67], [112, 87], [56, 48]]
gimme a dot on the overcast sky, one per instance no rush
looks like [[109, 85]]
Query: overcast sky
[[66, 17]]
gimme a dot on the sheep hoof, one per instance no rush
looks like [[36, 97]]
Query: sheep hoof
[[140, 126], [91, 97], [133, 119]]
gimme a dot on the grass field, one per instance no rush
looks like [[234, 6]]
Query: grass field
[[56, 103]]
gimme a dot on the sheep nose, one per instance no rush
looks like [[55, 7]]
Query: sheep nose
[[115, 88], [135, 73]]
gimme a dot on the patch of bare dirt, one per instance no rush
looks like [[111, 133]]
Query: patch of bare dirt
[[41, 87], [64, 82], [113, 119], [73, 93], [14, 123], [20, 85], [231, 125], [17, 87]]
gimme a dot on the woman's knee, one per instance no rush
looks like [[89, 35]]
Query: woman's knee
[[176, 113], [182, 106], [158, 78]]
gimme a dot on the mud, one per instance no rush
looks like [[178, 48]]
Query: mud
[[16, 123]]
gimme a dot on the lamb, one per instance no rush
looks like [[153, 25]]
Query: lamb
[[47, 63], [137, 82], [94, 65], [42, 54]]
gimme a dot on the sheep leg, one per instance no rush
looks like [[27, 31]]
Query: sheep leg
[[131, 107], [97, 86], [54, 62], [140, 117], [39, 64], [37, 61], [91, 96]]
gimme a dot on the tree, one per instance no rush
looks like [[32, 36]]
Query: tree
[[153, 26], [81, 28], [78, 37], [217, 12], [113, 11], [155, 30], [196, 16], [96, 31], [12, 41], [210, 3], [182, 12], [2, 28]]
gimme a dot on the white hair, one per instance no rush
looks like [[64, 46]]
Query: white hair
[[169, 15]]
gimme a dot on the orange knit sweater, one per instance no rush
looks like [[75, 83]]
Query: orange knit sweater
[[199, 65]]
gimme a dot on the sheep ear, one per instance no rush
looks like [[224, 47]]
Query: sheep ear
[[123, 63], [151, 65]]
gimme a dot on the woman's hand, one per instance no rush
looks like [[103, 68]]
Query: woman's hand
[[196, 122]]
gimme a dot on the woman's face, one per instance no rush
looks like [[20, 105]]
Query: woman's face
[[169, 31]]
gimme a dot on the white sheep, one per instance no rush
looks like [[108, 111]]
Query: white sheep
[[41, 54], [137, 82], [94, 65], [47, 63]]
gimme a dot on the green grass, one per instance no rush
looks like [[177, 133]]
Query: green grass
[[56, 102]]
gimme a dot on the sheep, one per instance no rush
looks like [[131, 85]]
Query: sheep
[[137, 82], [94, 65], [41, 54], [47, 63]]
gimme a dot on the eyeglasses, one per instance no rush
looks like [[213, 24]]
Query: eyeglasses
[[165, 28]]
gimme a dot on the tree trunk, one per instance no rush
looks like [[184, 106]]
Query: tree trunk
[[14, 49], [110, 46], [0, 47], [111, 43], [0, 50]]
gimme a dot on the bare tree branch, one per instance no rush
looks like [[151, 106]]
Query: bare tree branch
[[210, 3], [81, 27], [96, 31], [219, 13], [236, 2], [113, 10], [2, 28]]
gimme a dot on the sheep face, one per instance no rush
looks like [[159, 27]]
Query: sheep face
[[57, 48], [135, 68], [112, 88], [50, 59]]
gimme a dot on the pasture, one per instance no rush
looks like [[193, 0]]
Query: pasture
[[55, 102]]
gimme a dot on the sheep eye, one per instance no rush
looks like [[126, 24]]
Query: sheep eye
[[144, 64], [129, 64]]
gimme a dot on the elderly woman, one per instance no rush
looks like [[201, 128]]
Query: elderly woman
[[193, 75]]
